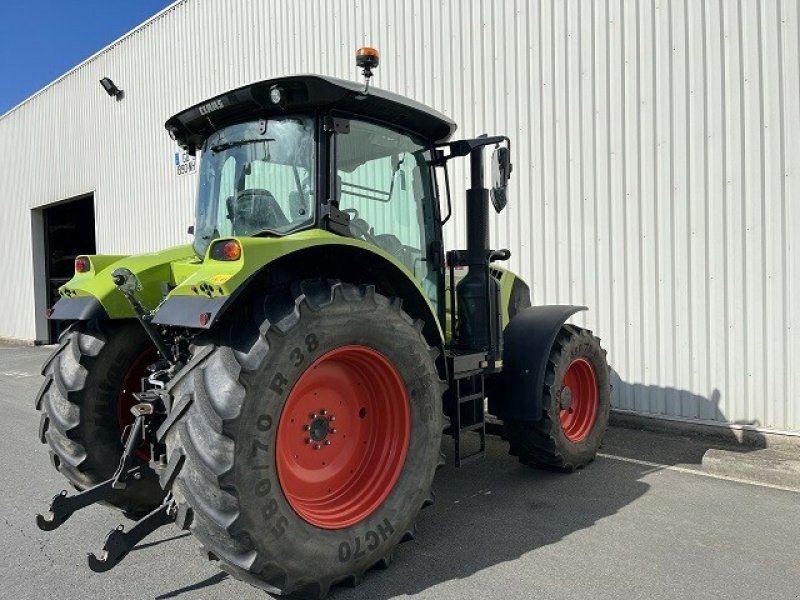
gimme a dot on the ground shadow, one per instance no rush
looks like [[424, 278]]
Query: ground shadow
[[497, 510], [705, 426], [200, 585], [159, 542]]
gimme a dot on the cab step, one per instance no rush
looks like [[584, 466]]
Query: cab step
[[465, 400]]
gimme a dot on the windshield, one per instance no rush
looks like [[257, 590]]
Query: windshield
[[256, 178]]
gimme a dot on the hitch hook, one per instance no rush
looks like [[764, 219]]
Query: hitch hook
[[119, 543], [63, 505]]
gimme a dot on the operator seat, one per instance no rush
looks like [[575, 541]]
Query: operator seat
[[254, 210]]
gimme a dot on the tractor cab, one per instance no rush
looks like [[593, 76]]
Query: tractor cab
[[292, 154], [297, 153]]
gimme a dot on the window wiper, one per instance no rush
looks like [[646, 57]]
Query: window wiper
[[227, 145]]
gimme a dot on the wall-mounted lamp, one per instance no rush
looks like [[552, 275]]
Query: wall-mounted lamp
[[111, 89]]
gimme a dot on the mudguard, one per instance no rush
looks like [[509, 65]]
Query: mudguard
[[527, 341], [83, 308], [184, 290], [92, 294], [201, 298]]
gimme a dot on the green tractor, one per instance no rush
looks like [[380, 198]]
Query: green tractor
[[280, 387]]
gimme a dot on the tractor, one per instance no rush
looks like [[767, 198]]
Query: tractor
[[281, 386]]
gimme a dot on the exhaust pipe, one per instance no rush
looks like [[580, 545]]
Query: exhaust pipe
[[479, 319]]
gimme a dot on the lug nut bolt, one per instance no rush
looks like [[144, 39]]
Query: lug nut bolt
[[313, 415], [327, 442], [306, 427], [323, 412], [316, 446], [332, 419], [308, 440], [333, 430]]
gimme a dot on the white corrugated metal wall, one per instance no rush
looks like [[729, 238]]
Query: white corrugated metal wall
[[652, 149]]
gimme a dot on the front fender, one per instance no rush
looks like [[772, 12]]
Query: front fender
[[517, 392]]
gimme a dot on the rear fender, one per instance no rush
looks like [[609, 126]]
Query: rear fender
[[216, 288], [516, 394], [92, 294]]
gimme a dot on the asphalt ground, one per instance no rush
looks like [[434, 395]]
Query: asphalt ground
[[642, 521]]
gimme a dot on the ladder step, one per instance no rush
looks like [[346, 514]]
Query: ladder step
[[461, 461], [471, 398], [475, 427], [474, 414]]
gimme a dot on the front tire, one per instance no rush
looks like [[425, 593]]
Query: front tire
[[576, 406], [267, 486]]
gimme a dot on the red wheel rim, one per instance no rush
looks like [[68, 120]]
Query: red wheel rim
[[579, 400], [131, 383], [343, 436]]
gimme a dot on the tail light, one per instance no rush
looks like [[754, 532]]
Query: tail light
[[226, 250], [82, 264]]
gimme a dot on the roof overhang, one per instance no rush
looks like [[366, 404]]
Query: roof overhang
[[301, 93]]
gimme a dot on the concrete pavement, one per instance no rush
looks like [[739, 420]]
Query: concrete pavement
[[643, 521]]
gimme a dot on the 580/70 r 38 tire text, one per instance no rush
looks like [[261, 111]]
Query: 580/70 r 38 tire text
[[309, 439]]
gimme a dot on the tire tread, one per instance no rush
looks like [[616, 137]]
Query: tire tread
[[216, 421], [535, 443]]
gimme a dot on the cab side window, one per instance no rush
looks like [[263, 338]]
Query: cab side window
[[384, 183]]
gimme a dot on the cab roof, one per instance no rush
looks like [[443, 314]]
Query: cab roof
[[191, 127]]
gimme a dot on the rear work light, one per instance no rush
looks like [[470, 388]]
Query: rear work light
[[82, 264], [227, 250]]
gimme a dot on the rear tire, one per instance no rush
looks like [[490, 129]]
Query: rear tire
[[576, 405], [81, 400], [249, 485]]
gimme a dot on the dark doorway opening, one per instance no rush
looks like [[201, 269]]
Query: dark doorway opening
[[68, 232]]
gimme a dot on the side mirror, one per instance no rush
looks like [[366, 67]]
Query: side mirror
[[501, 173]]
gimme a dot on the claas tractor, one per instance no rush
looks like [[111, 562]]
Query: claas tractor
[[281, 386]]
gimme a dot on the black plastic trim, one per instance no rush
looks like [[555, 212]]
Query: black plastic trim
[[520, 298], [185, 311], [527, 342], [192, 126], [82, 308]]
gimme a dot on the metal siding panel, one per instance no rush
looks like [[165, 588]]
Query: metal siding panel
[[618, 200], [753, 221], [791, 224], [648, 314], [774, 215], [652, 177], [716, 384], [696, 201]]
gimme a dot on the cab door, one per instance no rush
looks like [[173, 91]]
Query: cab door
[[384, 182]]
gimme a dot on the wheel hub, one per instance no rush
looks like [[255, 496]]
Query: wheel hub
[[578, 400], [343, 436], [319, 428]]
